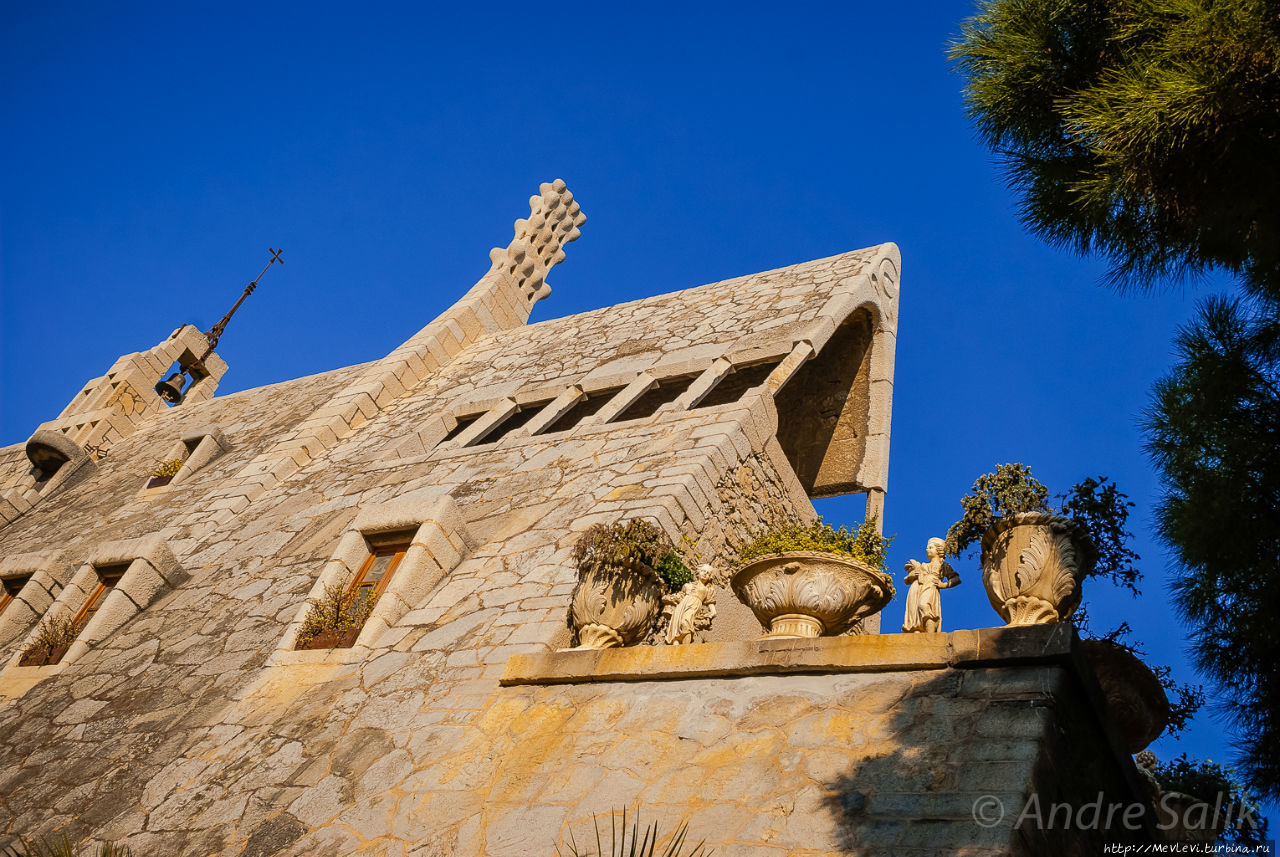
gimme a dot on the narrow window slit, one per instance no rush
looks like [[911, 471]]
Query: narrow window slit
[[667, 390], [517, 420], [587, 407], [337, 620], [734, 386], [108, 577], [12, 586], [464, 423]]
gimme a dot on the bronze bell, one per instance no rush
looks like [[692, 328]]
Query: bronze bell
[[170, 389]]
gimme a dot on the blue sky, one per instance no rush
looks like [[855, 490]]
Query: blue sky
[[152, 153]]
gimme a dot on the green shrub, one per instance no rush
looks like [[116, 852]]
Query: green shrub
[[1210, 782], [1096, 506], [621, 543], [866, 545], [637, 540], [673, 571], [1007, 491], [335, 610]]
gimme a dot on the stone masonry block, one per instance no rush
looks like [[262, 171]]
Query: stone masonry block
[[199, 433], [48, 572], [476, 432], [152, 549], [638, 386], [790, 365], [883, 354], [820, 331]]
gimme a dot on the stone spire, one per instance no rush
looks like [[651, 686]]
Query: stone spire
[[522, 266], [501, 300]]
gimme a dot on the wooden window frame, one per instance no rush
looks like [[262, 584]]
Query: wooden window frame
[[8, 592], [107, 580], [395, 544]]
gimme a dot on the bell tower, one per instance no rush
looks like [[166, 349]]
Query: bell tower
[[112, 406], [105, 410]]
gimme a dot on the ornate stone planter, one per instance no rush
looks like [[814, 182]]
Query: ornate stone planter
[[1032, 566], [807, 594], [615, 605], [1136, 702]]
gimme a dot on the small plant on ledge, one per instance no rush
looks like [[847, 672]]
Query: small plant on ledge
[[54, 636], [1035, 555], [334, 620], [164, 472], [812, 580]]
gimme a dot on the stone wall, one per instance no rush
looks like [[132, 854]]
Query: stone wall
[[188, 731]]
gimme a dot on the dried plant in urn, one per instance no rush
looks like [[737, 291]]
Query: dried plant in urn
[[624, 569], [812, 580], [1035, 557]]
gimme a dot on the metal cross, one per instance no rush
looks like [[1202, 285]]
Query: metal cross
[[216, 331]]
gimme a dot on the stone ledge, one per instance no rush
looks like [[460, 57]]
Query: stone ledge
[[870, 653]]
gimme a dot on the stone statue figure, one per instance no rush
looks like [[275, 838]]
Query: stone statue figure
[[1146, 763], [924, 607], [689, 612]]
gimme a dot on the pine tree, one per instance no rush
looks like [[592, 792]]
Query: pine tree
[[1148, 131], [1144, 130], [1214, 431]]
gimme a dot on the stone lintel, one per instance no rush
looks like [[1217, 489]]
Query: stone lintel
[[984, 647]]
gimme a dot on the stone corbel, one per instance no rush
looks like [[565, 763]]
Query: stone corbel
[[53, 450]]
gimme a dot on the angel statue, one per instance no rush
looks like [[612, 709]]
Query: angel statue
[[689, 612], [924, 607]]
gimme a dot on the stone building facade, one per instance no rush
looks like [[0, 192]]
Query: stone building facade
[[183, 720]]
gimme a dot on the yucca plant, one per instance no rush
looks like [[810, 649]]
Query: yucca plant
[[63, 848], [637, 841]]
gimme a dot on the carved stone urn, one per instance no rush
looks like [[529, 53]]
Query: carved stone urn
[[615, 605], [810, 594], [1136, 701], [1033, 564]]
